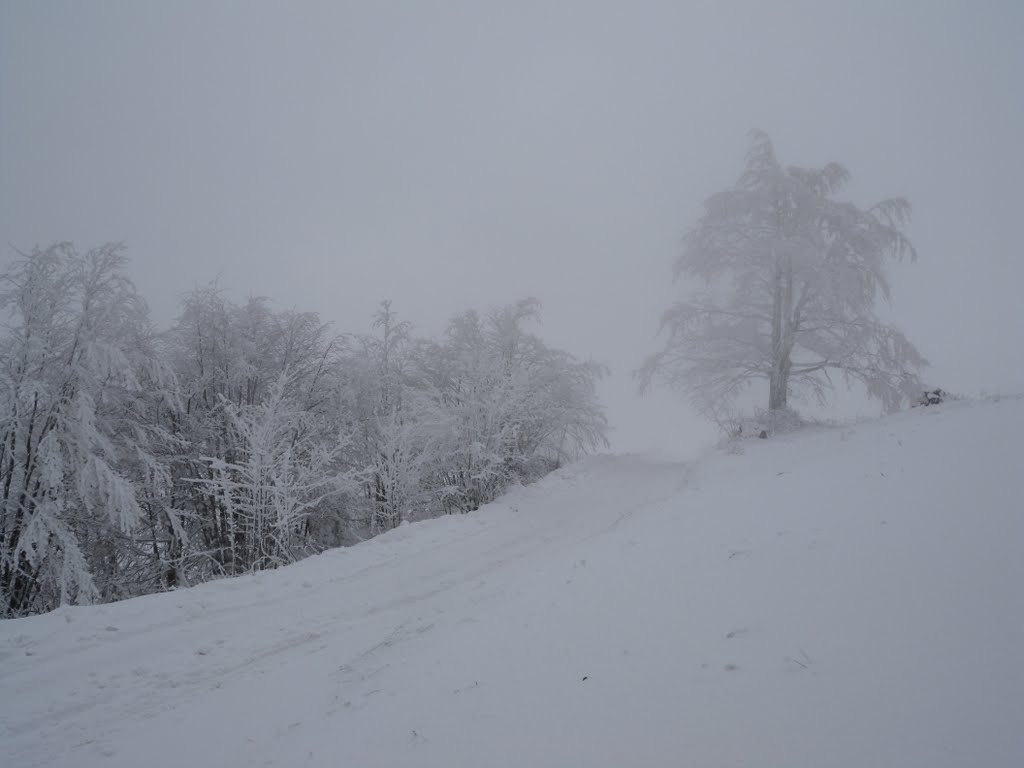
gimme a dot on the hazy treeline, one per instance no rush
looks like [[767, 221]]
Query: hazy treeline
[[135, 459]]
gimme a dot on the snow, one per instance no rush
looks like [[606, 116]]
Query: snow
[[835, 597]]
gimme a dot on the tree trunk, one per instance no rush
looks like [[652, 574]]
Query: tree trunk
[[776, 384], [782, 336], [777, 387]]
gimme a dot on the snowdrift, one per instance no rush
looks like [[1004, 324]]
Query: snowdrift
[[837, 597]]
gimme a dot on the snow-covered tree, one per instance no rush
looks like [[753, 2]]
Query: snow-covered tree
[[517, 408], [71, 439], [791, 279], [244, 438], [394, 424], [280, 473], [229, 360]]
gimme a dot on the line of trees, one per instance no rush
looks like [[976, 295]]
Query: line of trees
[[134, 460]]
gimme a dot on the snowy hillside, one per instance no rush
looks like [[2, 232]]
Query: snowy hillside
[[843, 597]]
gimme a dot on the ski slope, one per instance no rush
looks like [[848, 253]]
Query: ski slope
[[846, 597]]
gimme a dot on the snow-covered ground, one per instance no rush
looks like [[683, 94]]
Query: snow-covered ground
[[842, 597]]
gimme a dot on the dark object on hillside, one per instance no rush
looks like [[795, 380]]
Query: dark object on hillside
[[932, 397], [764, 434]]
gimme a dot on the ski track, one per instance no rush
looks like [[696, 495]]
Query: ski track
[[134, 684]]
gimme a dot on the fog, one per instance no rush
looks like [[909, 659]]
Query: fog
[[456, 154]]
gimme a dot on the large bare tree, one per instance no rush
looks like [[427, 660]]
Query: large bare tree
[[789, 280]]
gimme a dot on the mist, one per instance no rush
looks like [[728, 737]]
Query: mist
[[458, 154], [526, 383]]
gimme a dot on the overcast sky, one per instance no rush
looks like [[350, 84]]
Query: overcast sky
[[456, 154]]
